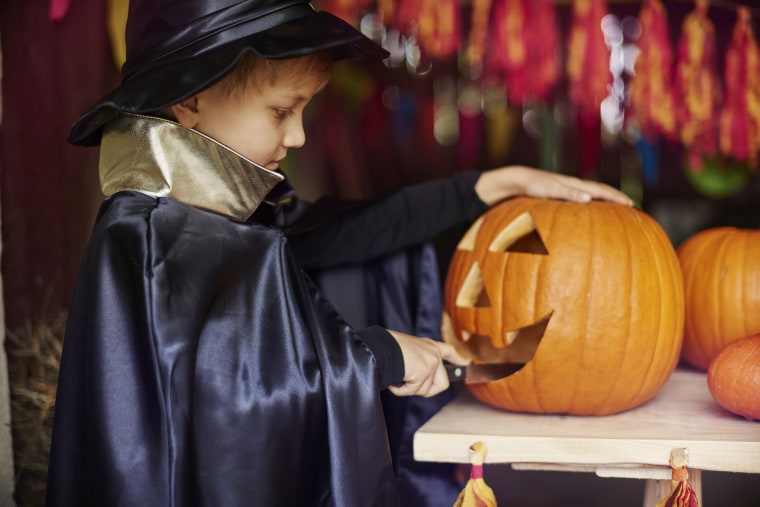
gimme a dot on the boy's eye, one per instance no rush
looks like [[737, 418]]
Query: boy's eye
[[283, 113]]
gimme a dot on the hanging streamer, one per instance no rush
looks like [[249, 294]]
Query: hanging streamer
[[118, 11], [524, 48], [681, 492], [348, 10], [589, 77], [476, 45], [588, 56], [439, 27], [476, 492], [652, 104], [509, 54], [740, 115], [58, 9], [697, 85]]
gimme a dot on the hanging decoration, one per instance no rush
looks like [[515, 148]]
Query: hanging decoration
[[589, 77], [476, 44], [588, 56], [544, 49], [696, 83], [117, 12], [740, 115], [58, 9], [651, 96], [681, 492], [348, 10], [476, 492], [439, 28], [524, 48]]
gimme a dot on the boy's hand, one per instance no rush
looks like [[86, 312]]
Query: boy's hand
[[424, 374], [499, 184]]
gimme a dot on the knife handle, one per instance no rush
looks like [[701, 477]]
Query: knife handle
[[455, 372]]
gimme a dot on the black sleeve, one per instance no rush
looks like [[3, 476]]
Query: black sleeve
[[359, 232], [390, 360]]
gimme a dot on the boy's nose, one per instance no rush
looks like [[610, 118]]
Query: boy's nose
[[295, 137]]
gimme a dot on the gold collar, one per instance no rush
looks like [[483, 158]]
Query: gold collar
[[161, 158]]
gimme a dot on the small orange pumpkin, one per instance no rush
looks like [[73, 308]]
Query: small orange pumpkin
[[721, 275], [601, 281], [734, 377]]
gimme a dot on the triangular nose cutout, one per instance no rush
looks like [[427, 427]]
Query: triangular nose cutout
[[519, 236], [473, 291]]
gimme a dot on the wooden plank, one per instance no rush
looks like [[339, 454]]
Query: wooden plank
[[682, 414]]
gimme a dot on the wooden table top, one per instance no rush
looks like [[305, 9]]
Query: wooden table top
[[682, 414]]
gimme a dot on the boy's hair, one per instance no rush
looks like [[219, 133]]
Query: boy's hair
[[252, 70]]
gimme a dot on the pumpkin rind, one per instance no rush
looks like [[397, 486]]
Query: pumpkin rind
[[721, 274], [733, 377], [612, 285]]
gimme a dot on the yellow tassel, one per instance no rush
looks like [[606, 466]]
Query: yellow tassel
[[476, 492], [681, 492]]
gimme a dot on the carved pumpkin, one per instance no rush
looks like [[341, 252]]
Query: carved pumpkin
[[721, 275], [601, 282], [734, 377]]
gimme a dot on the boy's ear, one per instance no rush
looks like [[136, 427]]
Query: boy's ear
[[186, 112]]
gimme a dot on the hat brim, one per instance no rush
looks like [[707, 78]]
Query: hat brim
[[194, 69]]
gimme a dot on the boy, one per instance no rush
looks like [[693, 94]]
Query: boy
[[200, 365]]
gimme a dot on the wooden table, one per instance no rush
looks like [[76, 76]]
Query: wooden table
[[632, 444]]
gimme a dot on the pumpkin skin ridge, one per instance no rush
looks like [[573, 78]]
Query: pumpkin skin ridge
[[537, 281], [628, 317], [659, 375], [702, 350], [573, 407], [694, 250]]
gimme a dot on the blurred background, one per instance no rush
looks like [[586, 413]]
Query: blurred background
[[661, 99]]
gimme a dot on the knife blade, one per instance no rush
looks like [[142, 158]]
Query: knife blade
[[480, 373]]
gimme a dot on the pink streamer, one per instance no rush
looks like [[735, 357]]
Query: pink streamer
[[58, 9]]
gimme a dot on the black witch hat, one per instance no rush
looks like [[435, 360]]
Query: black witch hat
[[176, 48]]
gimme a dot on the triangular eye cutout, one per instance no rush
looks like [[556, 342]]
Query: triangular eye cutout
[[473, 291], [519, 236], [468, 240]]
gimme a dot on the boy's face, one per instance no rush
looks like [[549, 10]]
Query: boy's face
[[261, 123]]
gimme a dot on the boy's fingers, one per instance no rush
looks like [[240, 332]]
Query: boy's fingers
[[450, 354]]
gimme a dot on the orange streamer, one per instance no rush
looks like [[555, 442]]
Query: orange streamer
[[697, 85], [438, 27], [652, 102]]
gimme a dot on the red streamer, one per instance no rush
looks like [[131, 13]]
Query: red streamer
[[525, 48], [588, 56], [740, 116]]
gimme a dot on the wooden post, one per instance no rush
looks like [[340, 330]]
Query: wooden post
[[6, 441]]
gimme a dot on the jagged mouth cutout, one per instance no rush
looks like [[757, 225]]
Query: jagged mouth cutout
[[520, 236]]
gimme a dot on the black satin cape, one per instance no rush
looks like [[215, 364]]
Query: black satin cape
[[209, 372]]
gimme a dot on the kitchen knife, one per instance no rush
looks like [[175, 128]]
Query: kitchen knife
[[479, 373]]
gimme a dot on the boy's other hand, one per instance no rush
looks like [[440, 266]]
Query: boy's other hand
[[498, 184], [424, 374]]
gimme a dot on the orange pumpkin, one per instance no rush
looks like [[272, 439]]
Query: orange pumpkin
[[734, 377], [601, 281], [721, 275]]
